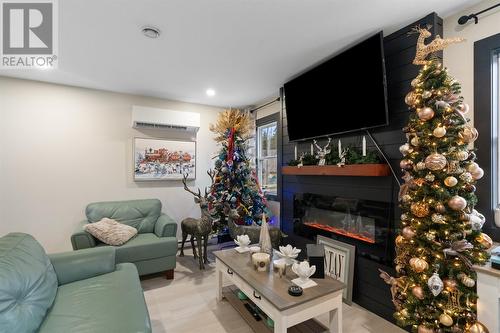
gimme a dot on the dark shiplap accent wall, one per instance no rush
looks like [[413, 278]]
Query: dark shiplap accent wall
[[399, 47]]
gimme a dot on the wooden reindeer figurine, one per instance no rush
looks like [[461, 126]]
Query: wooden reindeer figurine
[[198, 228], [322, 152]]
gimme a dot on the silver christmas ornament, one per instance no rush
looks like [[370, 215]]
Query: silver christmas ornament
[[466, 177], [476, 220], [405, 149], [435, 284]]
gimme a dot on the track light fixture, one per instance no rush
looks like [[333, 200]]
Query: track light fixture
[[464, 19]]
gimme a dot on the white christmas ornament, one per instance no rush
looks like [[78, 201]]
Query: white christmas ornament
[[435, 284], [476, 220]]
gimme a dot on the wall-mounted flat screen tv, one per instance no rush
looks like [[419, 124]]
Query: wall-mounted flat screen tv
[[343, 94]]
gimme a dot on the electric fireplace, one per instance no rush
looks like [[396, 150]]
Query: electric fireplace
[[363, 223]]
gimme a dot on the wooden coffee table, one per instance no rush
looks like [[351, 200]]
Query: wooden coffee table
[[270, 292]]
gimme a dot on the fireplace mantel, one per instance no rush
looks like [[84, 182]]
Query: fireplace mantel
[[366, 170]]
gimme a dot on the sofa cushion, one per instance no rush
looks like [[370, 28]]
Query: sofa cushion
[[110, 232], [145, 247], [140, 214], [28, 283], [112, 302]]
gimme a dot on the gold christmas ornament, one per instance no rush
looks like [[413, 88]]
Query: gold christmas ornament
[[415, 82], [426, 94], [439, 132], [419, 209], [435, 162], [425, 114], [468, 134], [446, 319], [415, 141], [466, 280], [420, 166], [400, 240], [440, 208], [424, 50], [457, 203], [407, 233], [418, 292], [418, 265], [477, 327], [424, 329], [450, 181], [484, 240], [406, 164], [410, 98]]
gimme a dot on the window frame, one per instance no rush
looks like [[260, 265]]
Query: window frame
[[260, 122], [486, 122]]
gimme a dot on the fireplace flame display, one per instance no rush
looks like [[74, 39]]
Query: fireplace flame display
[[359, 236], [354, 218]]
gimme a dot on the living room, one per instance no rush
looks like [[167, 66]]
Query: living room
[[236, 166]]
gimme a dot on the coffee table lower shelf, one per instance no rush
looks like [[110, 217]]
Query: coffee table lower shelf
[[309, 326]]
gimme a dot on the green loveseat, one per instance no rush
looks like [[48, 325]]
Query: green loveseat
[[154, 248], [79, 291]]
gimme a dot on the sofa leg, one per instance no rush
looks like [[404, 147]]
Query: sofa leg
[[170, 274]]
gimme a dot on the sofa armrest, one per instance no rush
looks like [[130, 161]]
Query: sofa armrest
[[81, 239], [83, 264], [165, 226]]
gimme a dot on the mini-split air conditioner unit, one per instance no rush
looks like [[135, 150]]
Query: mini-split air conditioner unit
[[162, 119]]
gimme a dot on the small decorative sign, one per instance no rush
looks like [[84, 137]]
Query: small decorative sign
[[339, 263]]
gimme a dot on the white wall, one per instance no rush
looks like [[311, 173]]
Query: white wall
[[63, 147], [459, 58]]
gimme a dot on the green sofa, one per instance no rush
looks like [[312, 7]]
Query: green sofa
[[79, 291], [154, 248]]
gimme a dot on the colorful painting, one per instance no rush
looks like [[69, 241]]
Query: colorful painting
[[159, 159]]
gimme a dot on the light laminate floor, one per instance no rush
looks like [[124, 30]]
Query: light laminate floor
[[187, 304]]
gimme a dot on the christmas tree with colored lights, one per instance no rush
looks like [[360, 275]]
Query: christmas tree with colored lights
[[235, 188]]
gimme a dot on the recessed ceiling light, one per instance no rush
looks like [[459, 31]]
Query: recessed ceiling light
[[150, 31], [210, 92]]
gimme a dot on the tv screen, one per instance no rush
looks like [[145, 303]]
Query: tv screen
[[346, 93]]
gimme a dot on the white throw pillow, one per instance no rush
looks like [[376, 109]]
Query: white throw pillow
[[110, 232]]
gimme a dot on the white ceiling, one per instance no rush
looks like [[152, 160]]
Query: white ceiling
[[244, 49]]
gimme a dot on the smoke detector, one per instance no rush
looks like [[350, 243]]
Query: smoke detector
[[150, 31]]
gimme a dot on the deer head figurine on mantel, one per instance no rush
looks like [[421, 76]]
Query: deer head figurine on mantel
[[198, 228], [322, 152]]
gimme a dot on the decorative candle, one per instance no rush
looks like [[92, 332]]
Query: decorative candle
[[340, 148], [312, 150], [364, 146], [295, 151]]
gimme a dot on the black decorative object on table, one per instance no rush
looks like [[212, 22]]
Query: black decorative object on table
[[316, 256], [295, 290]]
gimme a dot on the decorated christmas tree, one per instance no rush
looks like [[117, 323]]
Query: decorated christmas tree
[[441, 234], [235, 185]]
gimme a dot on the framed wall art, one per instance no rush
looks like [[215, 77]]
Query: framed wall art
[[339, 263], [161, 159]]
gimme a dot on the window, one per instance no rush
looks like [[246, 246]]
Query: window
[[496, 109], [267, 155], [487, 121]]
